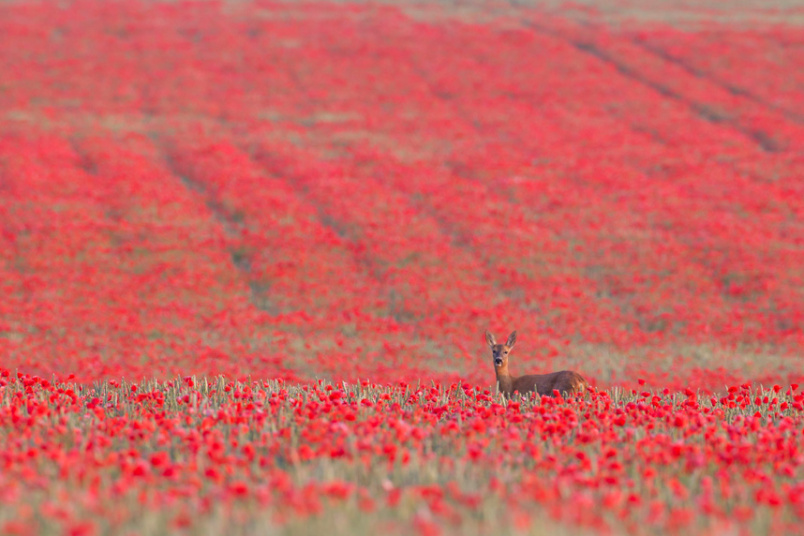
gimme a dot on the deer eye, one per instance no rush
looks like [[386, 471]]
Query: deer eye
[[506, 352]]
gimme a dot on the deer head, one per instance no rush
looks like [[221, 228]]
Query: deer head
[[500, 351]]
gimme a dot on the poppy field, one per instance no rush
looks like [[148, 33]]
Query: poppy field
[[249, 249]]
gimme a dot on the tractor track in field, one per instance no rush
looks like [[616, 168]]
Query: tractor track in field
[[762, 139], [284, 172], [233, 229], [726, 86], [324, 217]]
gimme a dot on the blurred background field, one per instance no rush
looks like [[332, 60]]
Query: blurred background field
[[357, 190]]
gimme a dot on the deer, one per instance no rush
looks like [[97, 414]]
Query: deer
[[565, 382]]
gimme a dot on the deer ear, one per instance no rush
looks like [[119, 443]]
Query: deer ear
[[490, 339], [511, 340]]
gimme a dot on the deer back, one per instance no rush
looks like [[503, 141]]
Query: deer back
[[565, 381]]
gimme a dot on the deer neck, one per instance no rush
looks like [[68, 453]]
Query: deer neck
[[504, 380]]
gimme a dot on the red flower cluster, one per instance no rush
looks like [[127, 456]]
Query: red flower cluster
[[434, 458]]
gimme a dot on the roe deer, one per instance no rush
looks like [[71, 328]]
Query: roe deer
[[566, 381]]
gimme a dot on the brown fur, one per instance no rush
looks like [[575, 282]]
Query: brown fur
[[565, 382]]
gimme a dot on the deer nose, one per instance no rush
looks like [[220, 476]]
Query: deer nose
[[498, 361]]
